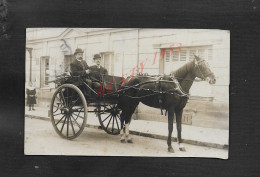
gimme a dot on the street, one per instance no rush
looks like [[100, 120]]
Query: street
[[41, 139]]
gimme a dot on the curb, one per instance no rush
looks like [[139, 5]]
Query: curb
[[150, 135]]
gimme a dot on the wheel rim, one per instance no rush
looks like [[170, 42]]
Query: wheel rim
[[109, 119], [68, 111]]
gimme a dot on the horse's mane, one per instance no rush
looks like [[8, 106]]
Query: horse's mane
[[181, 73]]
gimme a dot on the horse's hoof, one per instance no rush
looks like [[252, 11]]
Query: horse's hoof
[[182, 149], [170, 149], [122, 141], [130, 141]]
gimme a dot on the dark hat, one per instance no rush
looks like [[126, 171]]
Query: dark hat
[[78, 50], [96, 56]]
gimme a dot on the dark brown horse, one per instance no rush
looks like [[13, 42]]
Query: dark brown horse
[[168, 92]]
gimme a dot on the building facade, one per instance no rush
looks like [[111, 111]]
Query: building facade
[[128, 51]]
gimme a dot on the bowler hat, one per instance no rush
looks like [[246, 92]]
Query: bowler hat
[[96, 56], [78, 50]]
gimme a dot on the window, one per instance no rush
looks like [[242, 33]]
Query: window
[[45, 66], [167, 55], [187, 54], [174, 59], [183, 55], [175, 56]]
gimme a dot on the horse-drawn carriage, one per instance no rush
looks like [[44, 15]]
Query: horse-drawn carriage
[[70, 105], [116, 99]]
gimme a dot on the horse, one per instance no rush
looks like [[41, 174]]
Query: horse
[[169, 92]]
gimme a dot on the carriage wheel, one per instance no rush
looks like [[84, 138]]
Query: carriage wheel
[[109, 119], [68, 111]]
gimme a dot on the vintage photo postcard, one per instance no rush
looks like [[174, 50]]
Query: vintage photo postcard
[[127, 92]]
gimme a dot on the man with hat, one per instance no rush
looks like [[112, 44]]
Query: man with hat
[[97, 70], [79, 67]]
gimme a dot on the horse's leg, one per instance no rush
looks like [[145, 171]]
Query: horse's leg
[[170, 128], [122, 131], [127, 135], [128, 120], [178, 124]]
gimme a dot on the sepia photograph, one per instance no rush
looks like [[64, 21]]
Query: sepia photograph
[[144, 92]]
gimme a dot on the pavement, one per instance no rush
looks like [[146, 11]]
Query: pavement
[[209, 137]]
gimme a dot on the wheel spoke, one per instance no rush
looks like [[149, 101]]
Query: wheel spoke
[[59, 120], [113, 124], [74, 103], [75, 121], [71, 99], [68, 126], [106, 118], [78, 116], [72, 126], [110, 112], [67, 96], [108, 123], [63, 99], [120, 120], [117, 122], [57, 114], [63, 124]]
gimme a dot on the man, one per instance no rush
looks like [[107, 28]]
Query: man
[[79, 67], [97, 70]]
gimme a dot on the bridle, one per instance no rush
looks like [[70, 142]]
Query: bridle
[[198, 65]]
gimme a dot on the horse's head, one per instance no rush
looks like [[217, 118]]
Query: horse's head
[[203, 71]]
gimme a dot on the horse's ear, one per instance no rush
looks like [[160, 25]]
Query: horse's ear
[[196, 59]]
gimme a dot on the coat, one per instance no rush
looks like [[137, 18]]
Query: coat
[[96, 72], [31, 99], [78, 68]]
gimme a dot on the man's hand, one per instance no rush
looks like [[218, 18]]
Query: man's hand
[[87, 71]]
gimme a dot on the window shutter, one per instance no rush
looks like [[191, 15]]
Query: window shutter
[[183, 55], [167, 55], [175, 56]]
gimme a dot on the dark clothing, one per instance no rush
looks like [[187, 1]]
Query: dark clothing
[[96, 75], [100, 70], [78, 68], [31, 96], [96, 72]]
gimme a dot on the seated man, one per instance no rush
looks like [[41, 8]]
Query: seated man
[[79, 67], [97, 71]]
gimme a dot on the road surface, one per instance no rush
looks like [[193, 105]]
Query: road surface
[[41, 139]]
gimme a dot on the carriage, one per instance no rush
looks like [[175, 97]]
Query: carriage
[[114, 102], [70, 105]]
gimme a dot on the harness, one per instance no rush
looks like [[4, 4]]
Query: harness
[[158, 88]]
